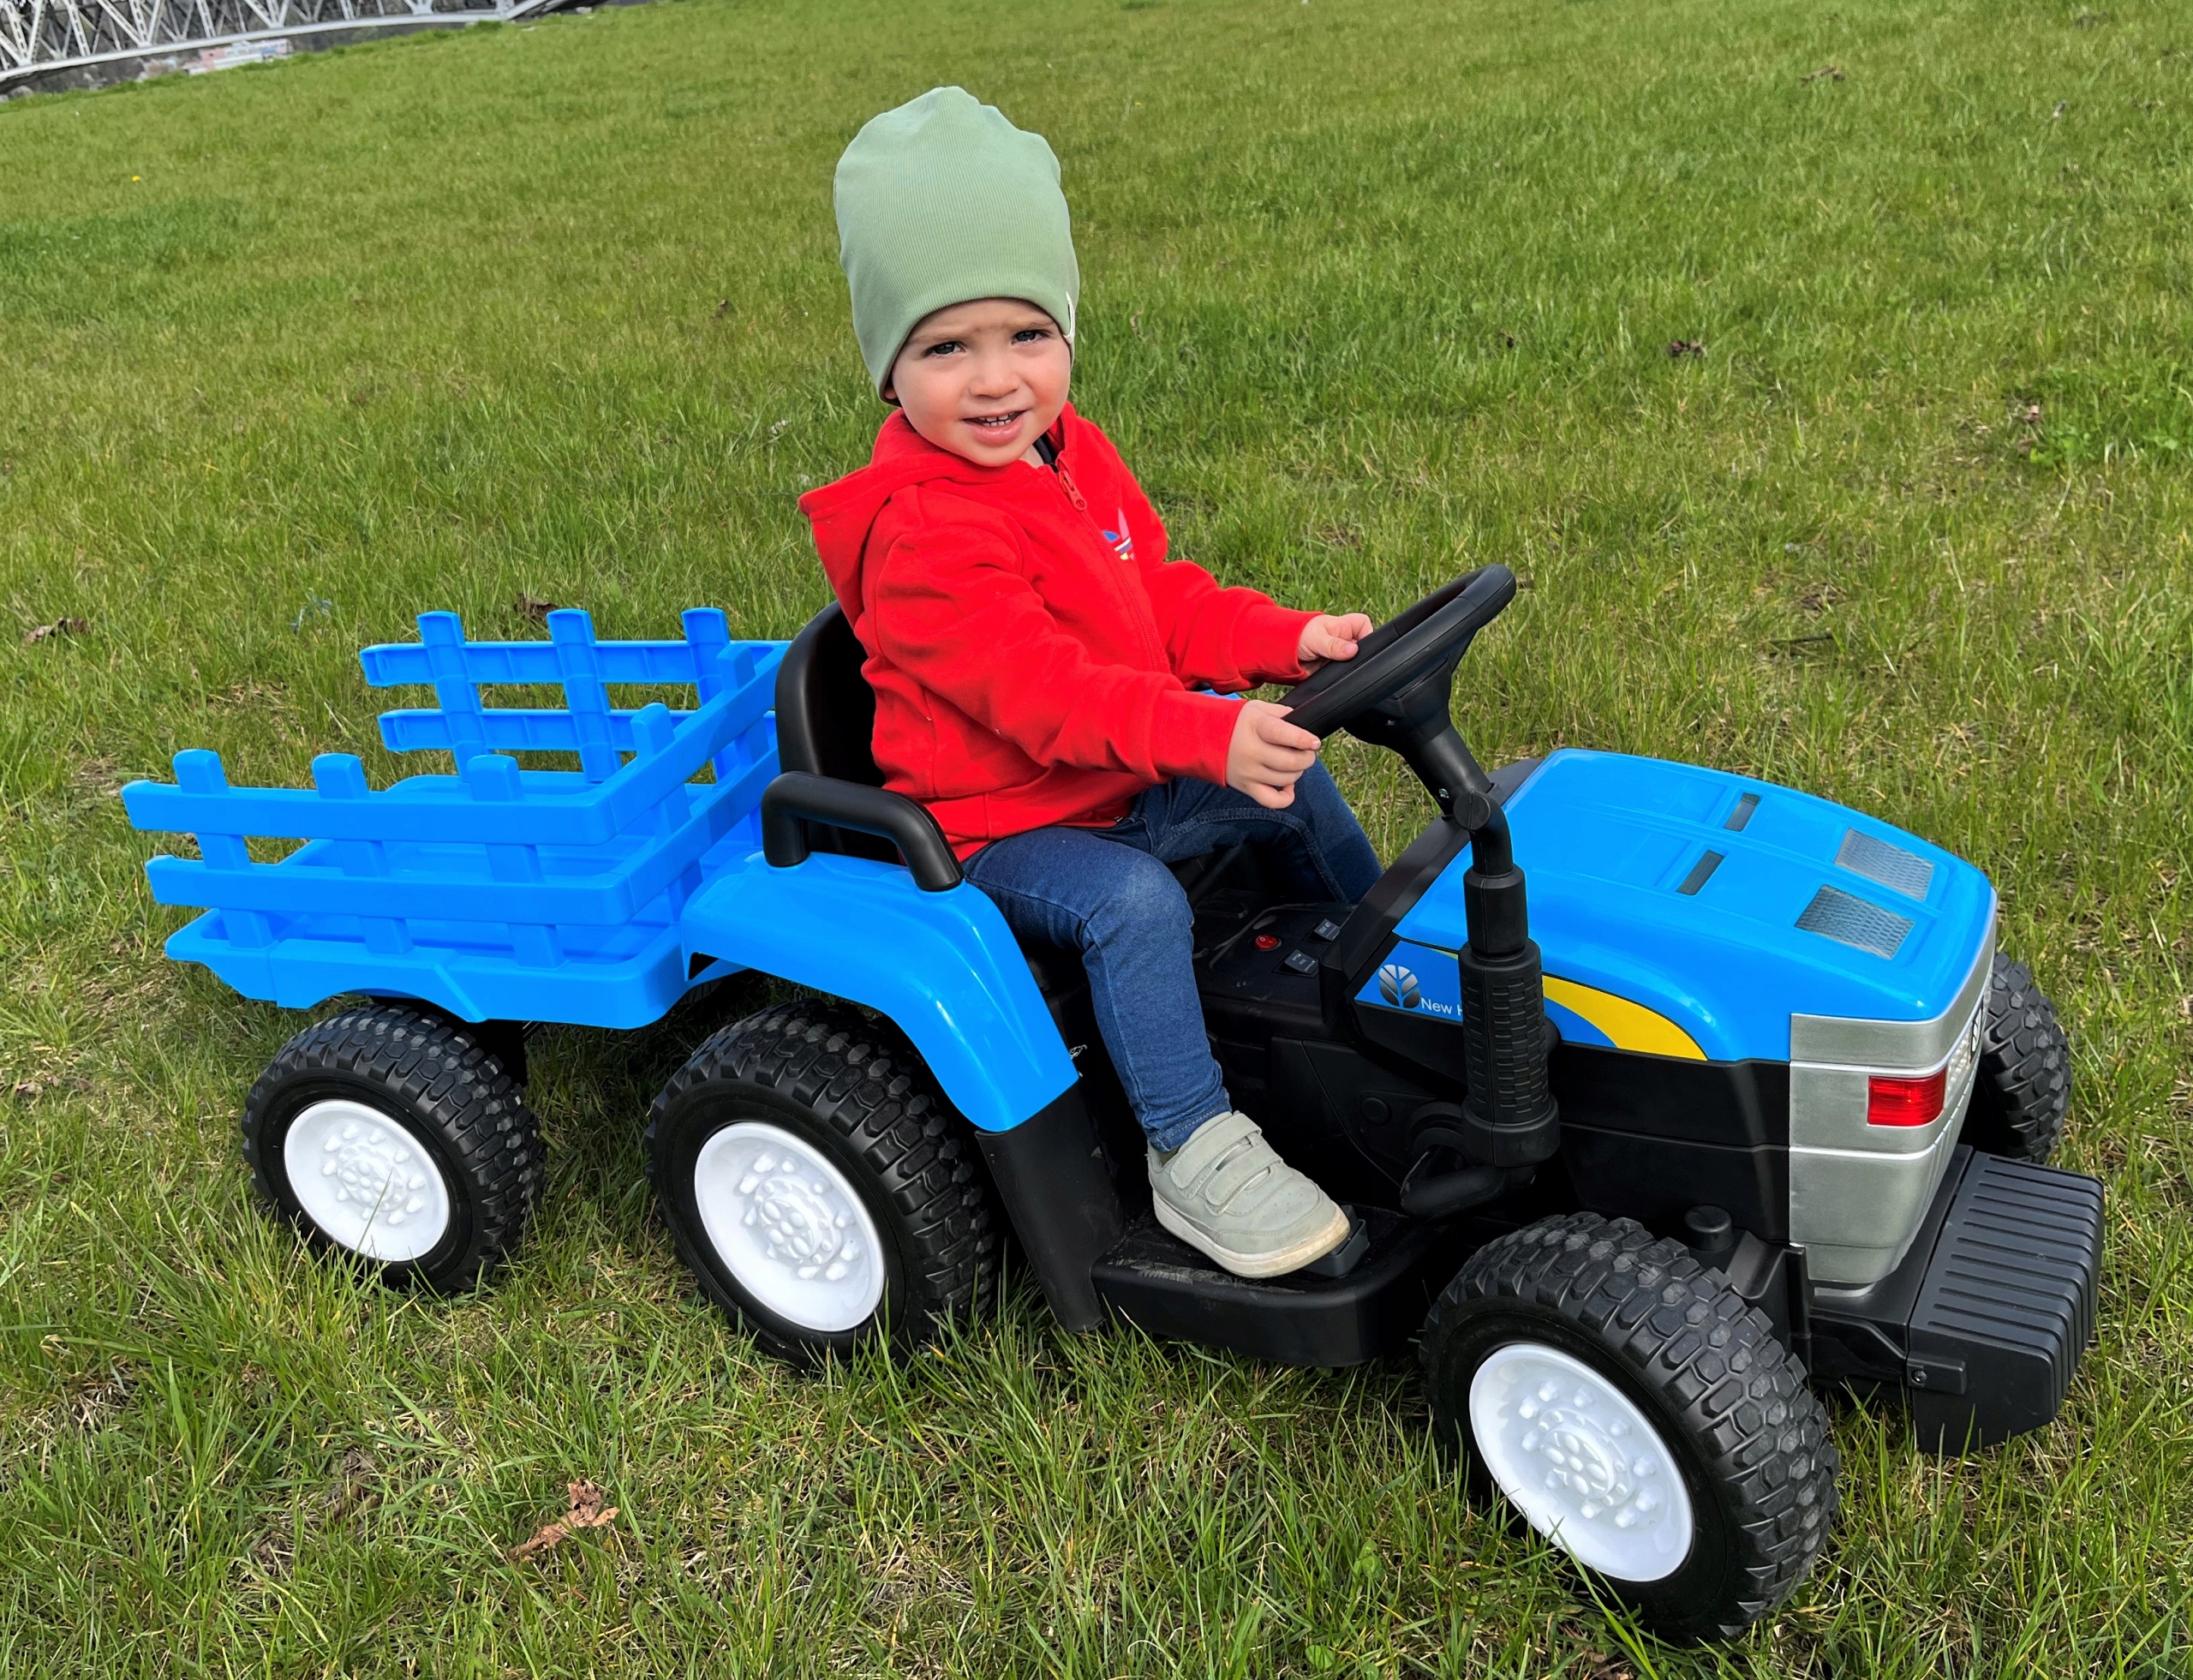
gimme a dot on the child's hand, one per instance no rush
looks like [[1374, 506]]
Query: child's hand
[[1328, 637], [1267, 755]]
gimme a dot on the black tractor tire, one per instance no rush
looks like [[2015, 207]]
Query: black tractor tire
[[2022, 1090], [422, 1079], [855, 1104], [1727, 1401]]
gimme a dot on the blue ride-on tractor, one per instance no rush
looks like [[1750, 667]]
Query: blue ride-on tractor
[[1744, 1093]]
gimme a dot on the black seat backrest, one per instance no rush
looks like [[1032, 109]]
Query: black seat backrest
[[826, 721], [826, 711]]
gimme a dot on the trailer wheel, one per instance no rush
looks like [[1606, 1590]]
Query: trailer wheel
[[392, 1134], [1630, 1407], [819, 1186], [2023, 1087]]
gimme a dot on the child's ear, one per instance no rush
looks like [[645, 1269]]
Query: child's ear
[[888, 395]]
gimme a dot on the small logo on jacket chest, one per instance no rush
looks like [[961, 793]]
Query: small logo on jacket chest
[[1122, 539]]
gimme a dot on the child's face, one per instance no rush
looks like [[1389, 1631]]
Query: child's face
[[983, 379]]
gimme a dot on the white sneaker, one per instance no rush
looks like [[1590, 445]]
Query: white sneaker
[[1227, 1193]]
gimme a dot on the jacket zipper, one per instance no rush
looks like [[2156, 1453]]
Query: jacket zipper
[[1066, 482], [1140, 607]]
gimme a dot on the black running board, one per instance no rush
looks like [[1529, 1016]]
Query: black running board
[[1984, 1322], [1156, 1281]]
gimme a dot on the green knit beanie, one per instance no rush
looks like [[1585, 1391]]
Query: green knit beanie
[[943, 201]]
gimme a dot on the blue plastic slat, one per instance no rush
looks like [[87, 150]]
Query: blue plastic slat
[[396, 664], [492, 780], [739, 667], [341, 775], [301, 887], [443, 637], [197, 771], [420, 807], [652, 726], [652, 732], [507, 729], [571, 632], [707, 633]]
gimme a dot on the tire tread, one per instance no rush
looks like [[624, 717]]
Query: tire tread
[[861, 1079], [1681, 1329], [445, 1078], [2023, 1090]]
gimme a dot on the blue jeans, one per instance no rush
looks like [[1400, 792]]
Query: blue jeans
[[1108, 893]]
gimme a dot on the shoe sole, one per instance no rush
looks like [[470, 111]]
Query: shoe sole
[[1274, 1265]]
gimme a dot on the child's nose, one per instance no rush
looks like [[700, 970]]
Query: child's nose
[[994, 376]]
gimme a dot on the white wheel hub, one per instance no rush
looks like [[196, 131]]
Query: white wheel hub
[[366, 1180], [1581, 1461], [790, 1225]]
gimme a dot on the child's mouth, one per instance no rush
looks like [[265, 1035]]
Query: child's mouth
[[997, 422]]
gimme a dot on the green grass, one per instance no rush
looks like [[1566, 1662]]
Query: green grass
[[1375, 292]]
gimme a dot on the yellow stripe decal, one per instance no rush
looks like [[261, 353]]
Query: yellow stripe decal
[[1632, 1026]]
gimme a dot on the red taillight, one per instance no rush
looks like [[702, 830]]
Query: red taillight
[[1906, 1101]]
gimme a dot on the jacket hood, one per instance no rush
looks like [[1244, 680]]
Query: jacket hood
[[844, 511]]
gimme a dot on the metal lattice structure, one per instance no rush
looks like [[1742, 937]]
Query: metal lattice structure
[[41, 38]]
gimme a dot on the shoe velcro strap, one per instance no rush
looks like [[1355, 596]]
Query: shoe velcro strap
[[1237, 1174], [1213, 1143]]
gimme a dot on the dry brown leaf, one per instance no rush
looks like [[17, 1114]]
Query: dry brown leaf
[[59, 627], [587, 1511], [1824, 72], [532, 607], [1679, 348]]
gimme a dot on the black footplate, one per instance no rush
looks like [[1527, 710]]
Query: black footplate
[[1156, 1281], [1989, 1313]]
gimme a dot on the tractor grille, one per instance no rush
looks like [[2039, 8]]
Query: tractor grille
[[1836, 914], [1899, 871]]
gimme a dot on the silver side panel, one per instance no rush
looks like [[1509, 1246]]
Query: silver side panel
[[1857, 1192], [1887, 1046], [1854, 1214]]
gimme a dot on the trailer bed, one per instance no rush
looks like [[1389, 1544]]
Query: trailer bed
[[498, 892]]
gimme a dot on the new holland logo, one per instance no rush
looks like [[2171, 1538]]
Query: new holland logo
[[1397, 985]]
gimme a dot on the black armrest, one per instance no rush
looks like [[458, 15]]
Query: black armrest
[[796, 798]]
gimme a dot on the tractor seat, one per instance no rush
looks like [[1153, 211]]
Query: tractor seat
[[826, 711], [826, 720]]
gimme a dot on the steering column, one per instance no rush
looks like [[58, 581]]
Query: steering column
[[1394, 693]]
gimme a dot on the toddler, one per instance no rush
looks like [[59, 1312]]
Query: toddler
[[1042, 671]]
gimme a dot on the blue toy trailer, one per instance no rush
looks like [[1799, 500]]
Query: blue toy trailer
[[497, 892], [1743, 1092], [595, 896]]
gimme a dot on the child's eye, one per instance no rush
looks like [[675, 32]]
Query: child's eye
[[945, 347], [1031, 335]]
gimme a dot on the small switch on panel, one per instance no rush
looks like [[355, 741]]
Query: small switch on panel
[[1301, 962], [1325, 930]]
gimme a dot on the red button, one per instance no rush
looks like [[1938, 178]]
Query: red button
[[1267, 942]]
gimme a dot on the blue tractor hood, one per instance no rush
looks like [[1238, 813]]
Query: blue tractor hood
[[1686, 912]]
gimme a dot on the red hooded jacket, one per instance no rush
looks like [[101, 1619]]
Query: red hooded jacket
[[1032, 651]]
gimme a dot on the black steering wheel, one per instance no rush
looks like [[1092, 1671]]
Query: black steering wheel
[[1394, 692]]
